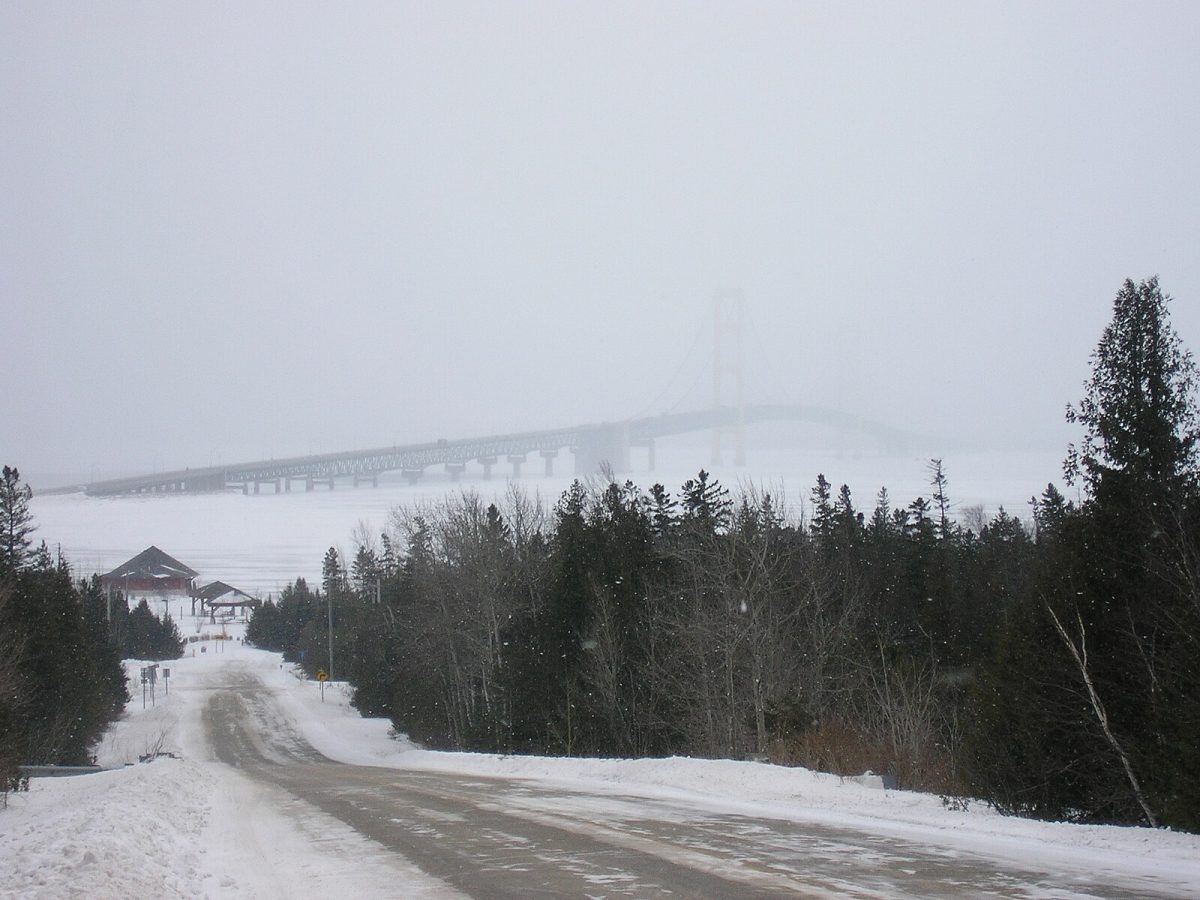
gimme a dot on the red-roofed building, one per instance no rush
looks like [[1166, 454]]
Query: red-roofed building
[[152, 573]]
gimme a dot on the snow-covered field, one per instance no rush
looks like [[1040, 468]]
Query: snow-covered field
[[194, 827], [261, 542]]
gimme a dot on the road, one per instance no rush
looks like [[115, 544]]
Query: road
[[495, 838]]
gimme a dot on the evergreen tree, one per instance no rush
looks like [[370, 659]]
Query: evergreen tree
[[1050, 511], [822, 516], [706, 505], [148, 637], [103, 657], [364, 571], [564, 623], [16, 523], [883, 525], [333, 573], [1139, 468], [264, 628], [61, 680], [664, 508], [1138, 408], [72, 683], [388, 563], [919, 527], [13, 701], [1103, 654], [300, 612], [847, 524]]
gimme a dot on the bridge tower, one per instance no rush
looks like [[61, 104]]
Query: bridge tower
[[727, 372]]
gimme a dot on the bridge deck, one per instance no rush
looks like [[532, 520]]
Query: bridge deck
[[595, 446]]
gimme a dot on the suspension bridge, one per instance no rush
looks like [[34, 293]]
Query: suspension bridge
[[596, 448]]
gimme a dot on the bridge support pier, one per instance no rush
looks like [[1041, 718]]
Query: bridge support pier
[[372, 477], [487, 462], [648, 443], [548, 456], [516, 461], [455, 470], [603, 449]]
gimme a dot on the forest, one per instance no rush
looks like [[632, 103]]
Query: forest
[[1046, 666], [61, 645]]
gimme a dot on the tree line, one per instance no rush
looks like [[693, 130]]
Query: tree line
[[1047, 666], [61, 678]]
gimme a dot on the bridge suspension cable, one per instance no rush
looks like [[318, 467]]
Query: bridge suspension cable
[[773, 393], [684, 361]]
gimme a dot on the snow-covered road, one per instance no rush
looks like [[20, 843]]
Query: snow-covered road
[[278, 794]]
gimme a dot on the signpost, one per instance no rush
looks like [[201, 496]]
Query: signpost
[[150, 677], [322, 676]]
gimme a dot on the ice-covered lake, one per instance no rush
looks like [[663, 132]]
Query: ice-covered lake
[[260, 542]]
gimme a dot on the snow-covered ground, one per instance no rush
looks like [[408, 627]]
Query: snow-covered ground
[[193, 827]]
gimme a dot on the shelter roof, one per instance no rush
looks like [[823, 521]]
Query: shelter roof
[[151, 563], [218, 593]]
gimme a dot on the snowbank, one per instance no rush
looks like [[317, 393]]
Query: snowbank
[[190, 826], [758, 789]]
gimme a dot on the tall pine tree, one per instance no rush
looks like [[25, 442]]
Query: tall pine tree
[[16, 523], [1103, 656], [1138, 409]]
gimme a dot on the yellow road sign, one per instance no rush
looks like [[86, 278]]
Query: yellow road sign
[[322, 675]]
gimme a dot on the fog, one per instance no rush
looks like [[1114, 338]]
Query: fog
[[233, 231]]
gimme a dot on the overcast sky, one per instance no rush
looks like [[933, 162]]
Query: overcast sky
[[231, 230]]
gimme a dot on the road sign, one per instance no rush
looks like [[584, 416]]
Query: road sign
[[322, 675]]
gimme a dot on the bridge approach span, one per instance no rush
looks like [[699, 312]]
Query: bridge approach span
[[596, 447]]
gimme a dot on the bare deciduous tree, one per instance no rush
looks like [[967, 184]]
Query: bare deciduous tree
[[1077, 649]]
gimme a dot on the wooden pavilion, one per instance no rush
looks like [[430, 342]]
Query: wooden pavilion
[[219, 595]]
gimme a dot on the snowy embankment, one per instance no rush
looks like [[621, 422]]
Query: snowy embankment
[[185, 825], [757, 789], [190, 826]]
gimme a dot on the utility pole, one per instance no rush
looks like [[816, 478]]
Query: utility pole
[[329, 599]]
